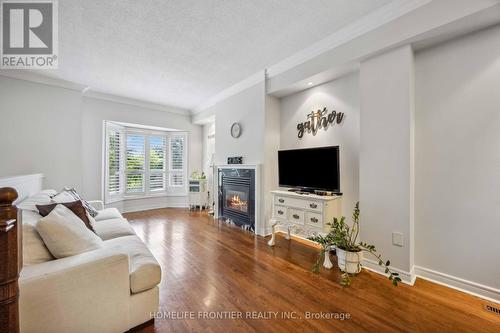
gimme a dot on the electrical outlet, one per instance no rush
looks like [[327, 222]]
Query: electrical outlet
[[397, 239]]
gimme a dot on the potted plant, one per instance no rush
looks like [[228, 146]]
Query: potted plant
[[349, 250]]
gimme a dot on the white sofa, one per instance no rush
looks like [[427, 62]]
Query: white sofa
[[111, 289]]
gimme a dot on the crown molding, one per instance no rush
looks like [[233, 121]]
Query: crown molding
[[374, 20], [86, 91], [90, 93], [232, 90], [370, 22], [27, 75]]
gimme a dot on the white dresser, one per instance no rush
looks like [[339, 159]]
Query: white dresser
[[303, 214]]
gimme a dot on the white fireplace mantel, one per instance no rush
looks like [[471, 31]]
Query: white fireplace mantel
[[260, 222]]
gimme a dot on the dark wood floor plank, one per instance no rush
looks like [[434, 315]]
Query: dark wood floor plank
[[209, 266]]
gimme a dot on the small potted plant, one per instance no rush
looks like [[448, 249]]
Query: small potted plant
[[349, 250]]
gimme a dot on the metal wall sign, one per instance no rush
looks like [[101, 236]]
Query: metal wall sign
[[319, 119], [235, 160]]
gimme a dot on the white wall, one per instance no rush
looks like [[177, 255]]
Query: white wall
[[386, 181], [342, 95], [247, 108], [40, 132], [208, 133], [272, 135], [259, 119], [458, 158], [208, 142], [58, 132]]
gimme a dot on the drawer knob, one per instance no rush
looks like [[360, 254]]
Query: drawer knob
[[296, 216], [314, 220], [313, 205], [280, 212], [281, 200]]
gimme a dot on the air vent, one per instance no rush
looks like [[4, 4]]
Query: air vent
[[493, 309]]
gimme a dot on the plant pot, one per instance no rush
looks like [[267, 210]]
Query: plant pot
[[349, 262]]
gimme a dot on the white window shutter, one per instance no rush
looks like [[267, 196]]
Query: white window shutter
[[114, 162], [157, 163], [177, 160], [135, 163]]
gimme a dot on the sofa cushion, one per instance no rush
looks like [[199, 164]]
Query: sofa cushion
[[34, 249], [41, 198], [65, 234], [107, 213], [112, 228], [145, 272]]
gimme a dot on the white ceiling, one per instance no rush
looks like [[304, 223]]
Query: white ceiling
[[181, 53]]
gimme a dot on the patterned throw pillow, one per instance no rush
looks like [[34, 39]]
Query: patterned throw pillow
[[70, 194]]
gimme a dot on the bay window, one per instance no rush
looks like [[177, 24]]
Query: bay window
[[142, 163]]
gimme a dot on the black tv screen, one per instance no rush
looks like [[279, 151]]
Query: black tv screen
[[310, 169]]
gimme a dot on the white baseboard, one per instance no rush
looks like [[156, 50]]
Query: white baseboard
[[469, 287], [264, 232], [141, 208], [141, 204], [476, 289], [126, 207], [406, 277], [473, 288]]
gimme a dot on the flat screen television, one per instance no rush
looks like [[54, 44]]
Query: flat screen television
[[310, 169]]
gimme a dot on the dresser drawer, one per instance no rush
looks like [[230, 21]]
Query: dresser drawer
[[290, 202], [281, 200], [296, 216], [314, 219], [280, 212], [313, 205], [299, 203]]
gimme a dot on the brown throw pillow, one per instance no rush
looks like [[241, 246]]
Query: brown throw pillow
[[76, 207]]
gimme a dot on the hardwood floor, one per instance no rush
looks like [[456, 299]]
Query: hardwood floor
[[211, 267]]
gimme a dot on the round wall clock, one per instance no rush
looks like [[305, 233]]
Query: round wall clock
[[236, 130]]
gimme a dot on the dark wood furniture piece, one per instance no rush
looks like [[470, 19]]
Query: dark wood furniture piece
[[10, 261]]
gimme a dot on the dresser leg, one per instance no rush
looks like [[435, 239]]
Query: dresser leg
[[288, 236], [327, 262], [272, 241]]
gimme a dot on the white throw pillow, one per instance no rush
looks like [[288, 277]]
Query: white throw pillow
[[34, 250], [65, 234]]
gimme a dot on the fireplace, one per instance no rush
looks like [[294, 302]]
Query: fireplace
[[237, 200], [237, 196]]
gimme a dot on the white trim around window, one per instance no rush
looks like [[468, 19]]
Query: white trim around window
[[141, 163]]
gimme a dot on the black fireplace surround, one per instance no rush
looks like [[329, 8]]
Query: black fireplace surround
[[237, 196]]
